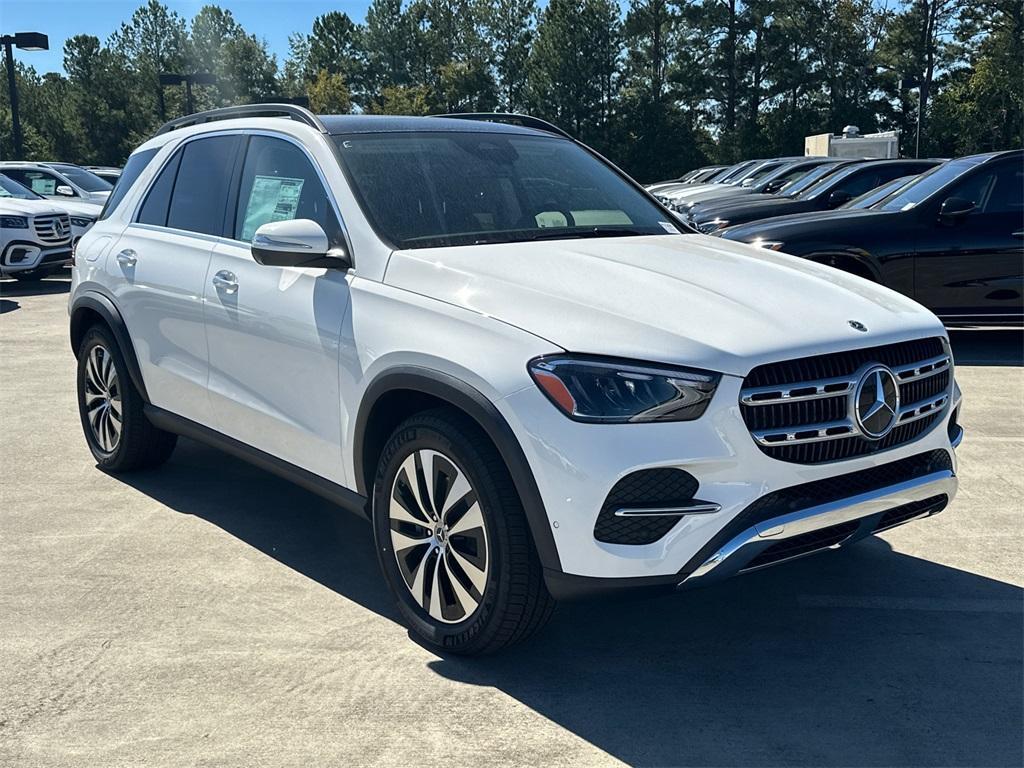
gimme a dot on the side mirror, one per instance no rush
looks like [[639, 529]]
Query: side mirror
[[774, 186], [954, 208], [64, 190], [296, 243], [839, 197]]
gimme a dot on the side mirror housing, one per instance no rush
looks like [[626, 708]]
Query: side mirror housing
[[955, 208], [64, 190], [296, 243], [839, 197], [774, 186]]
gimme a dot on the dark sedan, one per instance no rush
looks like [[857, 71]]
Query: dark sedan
[[836, 188], [953, 239]]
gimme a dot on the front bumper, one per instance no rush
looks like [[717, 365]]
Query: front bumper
[[575, 465], [25, 255]]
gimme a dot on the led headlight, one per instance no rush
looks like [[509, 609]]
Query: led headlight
[[14, 222], [610, 391], [82, 221], [771, 245], [713, 226]]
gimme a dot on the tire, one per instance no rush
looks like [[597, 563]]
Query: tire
[[104, 386], [492, 591]]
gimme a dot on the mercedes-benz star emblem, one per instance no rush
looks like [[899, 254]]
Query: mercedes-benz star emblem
[[857, 325], [876, 402], [58, 228]]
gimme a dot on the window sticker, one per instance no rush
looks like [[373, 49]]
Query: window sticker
[[668, 228], [273, 198], [44, 186]]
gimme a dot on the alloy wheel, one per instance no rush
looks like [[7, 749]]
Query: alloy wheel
[[439, 536], [102, 395]]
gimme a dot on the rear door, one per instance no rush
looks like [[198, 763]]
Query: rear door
[[274, 333], [971, 269], [158, 267]]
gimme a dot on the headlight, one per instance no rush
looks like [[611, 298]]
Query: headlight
[[82, 221], [610, 391], [14, 222], [771, 245], [713, 226]]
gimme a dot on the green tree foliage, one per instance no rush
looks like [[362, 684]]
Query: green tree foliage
[[658, 85]]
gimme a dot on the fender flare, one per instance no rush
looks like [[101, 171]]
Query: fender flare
[[474, 404], [104, 307], [863, 258]]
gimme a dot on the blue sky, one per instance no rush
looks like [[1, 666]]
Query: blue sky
[[273, 20]]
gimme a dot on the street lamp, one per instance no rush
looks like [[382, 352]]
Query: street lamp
[[25, 41], [906, 83], [197, 78]]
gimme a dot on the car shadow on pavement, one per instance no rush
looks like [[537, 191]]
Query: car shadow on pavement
[[8, 306], [49, 285], [856, 657], [1002, 347]]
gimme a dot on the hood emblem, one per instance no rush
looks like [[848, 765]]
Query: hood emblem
[[876, 402], [857, 325]]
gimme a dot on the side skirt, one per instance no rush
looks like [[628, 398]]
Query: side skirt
[[343, 497]]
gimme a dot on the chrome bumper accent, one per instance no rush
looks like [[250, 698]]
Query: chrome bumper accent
[[743, 548], [692, 508]]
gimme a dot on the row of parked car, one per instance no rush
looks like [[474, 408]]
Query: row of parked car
[[949, 233], [45, 208]]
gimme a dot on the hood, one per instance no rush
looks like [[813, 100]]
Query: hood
[[99, 197], [805, 225], [18, 207], [683, 299], [79, 207]]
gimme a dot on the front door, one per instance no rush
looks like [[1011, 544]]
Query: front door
[[274, 333], [972, 270]]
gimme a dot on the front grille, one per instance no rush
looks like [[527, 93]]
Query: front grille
[[53, 229], [798, 497], [646, 488], [801, 410]]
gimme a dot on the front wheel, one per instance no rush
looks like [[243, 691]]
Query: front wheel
[[452, 537]]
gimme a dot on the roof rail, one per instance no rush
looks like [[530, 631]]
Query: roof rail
[[526, 121], [291, 111]]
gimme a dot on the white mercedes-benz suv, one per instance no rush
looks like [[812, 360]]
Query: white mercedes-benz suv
[[485, 338]]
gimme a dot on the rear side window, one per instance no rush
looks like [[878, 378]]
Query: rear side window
[[136, 164], [201, 188], [154, 210]]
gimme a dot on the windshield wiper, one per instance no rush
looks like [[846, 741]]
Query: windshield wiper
[[575, 234]]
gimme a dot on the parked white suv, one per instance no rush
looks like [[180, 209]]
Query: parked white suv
[[35, 235], [504, 352], [58, 181]]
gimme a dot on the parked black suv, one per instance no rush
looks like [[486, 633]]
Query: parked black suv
[[953, 239]]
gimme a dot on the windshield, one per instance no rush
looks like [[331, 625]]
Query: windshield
[[872, 196], [421, 190], [11, 188], [926, 184], [812, 176], [87, 180]]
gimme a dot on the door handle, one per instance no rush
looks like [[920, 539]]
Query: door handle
[[225, 281], [127, 258]]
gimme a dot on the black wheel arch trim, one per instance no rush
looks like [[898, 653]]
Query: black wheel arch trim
[[104, 307], [478, 407]]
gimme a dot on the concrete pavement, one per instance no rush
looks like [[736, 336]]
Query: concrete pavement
[[208, 614]]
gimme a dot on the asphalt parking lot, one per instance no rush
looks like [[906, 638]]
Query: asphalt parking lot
[[208, 614]]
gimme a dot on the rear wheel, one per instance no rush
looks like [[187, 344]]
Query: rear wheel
[[452, 537], [117, 431]]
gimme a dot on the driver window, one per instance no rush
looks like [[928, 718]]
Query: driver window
[[279, 183], [977, 189]]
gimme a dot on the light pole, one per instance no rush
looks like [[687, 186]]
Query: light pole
[[25, 41], [906, 83], [197, 78]]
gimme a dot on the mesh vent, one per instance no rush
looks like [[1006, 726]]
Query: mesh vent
[[646, 488]]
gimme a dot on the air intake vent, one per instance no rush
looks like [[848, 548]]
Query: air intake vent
[[646, 489]]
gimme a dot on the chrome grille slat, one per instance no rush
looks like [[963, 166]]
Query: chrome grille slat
[[799, 410], [46, 228]]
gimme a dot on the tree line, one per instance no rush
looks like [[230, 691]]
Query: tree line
[[660, 86]]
